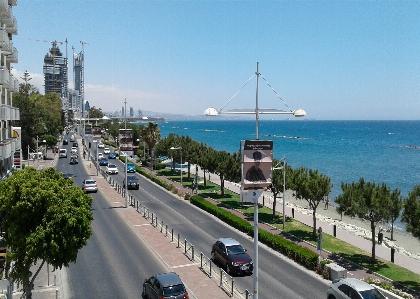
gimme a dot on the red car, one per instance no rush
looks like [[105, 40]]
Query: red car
[[55, 149]]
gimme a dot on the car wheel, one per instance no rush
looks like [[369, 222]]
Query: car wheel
[[213, 256], [228, 269]]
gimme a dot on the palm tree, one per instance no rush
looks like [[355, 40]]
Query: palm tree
[[151, 135]]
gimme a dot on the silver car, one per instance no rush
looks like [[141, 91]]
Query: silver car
[[352, 288], [90, 185]]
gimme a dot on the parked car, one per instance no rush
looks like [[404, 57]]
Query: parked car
[[65, 142], [131, 167], [101, 145], [112, 156], [132, 182], [90, 185], [75, 144], [111, 169], [232, 256], [166, 285], [107, 150], [55, 149], [346, 288], [103, 162]]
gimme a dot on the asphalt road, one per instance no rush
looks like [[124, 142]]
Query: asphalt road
[[115, 262]]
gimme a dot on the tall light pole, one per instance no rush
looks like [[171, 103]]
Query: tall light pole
[[257, 111], [180, 166], [125, 132]]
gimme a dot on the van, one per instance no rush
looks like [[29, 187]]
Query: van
[[62, 153], [72, 138]]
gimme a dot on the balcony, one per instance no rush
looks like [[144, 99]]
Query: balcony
[[5, 149], [11, 25], [12, 2], [13, 57], [4, 6], [14, 113], [4, 77], [5, 112], [16, 85], [4, 40]]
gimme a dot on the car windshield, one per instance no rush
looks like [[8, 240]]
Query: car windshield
[[111, 166], [235, 249], [371, 294], [90, 182], [174, 290]]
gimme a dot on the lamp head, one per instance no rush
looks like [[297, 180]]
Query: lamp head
[[211, 112], [299, 113]]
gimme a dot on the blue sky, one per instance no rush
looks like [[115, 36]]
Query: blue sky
[[334, 59]]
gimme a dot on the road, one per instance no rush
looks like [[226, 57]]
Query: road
[[115, 262]]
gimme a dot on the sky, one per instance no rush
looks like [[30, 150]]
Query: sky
[[337, 60]]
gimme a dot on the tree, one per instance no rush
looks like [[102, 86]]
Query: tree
[[366, 201], [46, 218], [395, 210], [411, 212], [94, 112], [151, 135], [311, 186]]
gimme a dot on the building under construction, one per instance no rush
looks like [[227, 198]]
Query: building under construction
[[56, 72]]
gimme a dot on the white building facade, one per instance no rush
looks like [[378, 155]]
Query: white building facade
[[9, 115]]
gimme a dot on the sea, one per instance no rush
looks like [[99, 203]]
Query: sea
[[378, 151]]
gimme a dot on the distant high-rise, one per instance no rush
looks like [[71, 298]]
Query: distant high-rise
[[55, 72], [131, 112]]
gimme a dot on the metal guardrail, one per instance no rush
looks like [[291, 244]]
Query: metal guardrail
[[224, 280]]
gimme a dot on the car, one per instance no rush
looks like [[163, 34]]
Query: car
[[131, 167], [75, 144], [73, 150], [65, 142], [103, 162], [89, 185], [232, 256], [112, 156], [346, 288], [132, 182], [100, 156], [111, 169], [67, 175], [165, 285], [106, 150], [101, 145], [55, 149], [74, 160], [62, 153]]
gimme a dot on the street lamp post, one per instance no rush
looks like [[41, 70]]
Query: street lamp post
[[257, 111], [180, 166], [126, 156]]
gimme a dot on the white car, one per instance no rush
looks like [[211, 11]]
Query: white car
[[73, 150], [100, 156], [101, 145], [112, 169], [107, 150]]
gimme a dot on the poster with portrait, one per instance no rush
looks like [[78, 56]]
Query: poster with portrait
[[257, 157], [125, 141]]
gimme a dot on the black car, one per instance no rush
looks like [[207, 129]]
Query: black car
[[232, 256], [65, 142], [132, 182], [75, 144], [166, 285], [67, 175]]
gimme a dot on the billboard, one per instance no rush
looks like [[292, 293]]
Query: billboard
[[96, 133], [125, 141], [88, 129], [257, 157], [17, 156]]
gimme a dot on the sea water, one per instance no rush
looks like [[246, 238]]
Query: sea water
[[378, 151]]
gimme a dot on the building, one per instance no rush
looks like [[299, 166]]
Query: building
[[55, 72], [8, 85]]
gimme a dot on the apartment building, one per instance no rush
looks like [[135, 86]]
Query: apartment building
[[9, 115]]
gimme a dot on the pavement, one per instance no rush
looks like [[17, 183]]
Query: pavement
[[50, 283]]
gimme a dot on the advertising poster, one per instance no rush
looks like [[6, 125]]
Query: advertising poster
[[257, 157], [125, 141], [96, 133], [88, 129]]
